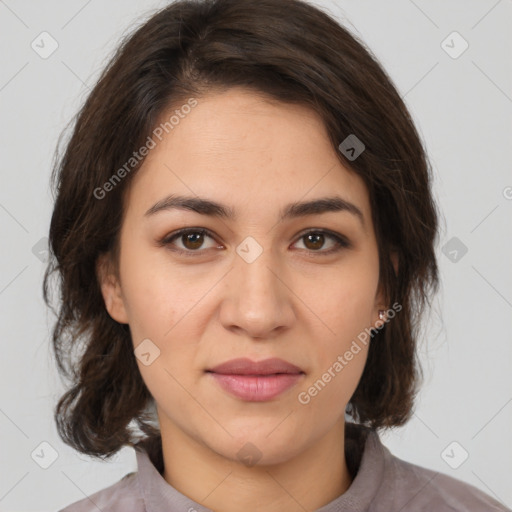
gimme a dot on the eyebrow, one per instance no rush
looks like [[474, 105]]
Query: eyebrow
[[291, 211]]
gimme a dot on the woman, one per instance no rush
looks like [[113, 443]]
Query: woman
[[244, 233]]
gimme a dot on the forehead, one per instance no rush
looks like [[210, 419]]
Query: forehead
[[248, 152]]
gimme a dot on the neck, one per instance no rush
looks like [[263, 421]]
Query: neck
[[223, 485]]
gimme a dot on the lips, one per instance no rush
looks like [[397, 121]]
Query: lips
[[256, 381], [244, 366]]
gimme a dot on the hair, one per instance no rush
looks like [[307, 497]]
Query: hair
[[289, 51]]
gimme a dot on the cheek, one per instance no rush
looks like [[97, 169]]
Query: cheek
[[156, 296], [344, 307], [163, 308], [339, 362], [344, 302]]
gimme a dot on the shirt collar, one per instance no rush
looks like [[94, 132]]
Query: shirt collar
[[364, 451]]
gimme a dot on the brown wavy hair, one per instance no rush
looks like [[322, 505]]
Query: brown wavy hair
[[295, 53]]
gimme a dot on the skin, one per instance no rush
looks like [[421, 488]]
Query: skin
[[294, 301]]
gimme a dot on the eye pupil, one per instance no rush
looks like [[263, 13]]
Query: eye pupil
[[195, 238], [318, 240]]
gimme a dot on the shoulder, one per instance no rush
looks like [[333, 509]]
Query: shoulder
[[420, 489], [123, 496]]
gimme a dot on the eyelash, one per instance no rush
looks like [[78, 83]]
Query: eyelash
[[342, 242]]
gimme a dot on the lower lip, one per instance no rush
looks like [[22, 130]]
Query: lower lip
[[257, 388]]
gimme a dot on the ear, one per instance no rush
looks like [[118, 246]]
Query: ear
[[380, 300], [111, 289]]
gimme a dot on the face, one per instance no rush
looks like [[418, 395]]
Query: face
[[250, 278]]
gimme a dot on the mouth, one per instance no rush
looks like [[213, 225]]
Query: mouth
[[244, 366], [256, 381]]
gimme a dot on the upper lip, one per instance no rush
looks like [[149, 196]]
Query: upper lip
[[244, 366]]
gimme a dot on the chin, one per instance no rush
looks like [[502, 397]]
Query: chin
[[259, 446]]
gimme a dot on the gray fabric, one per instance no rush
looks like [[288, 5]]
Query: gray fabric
[[382, 483]]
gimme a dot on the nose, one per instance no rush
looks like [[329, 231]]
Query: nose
[[257, 300]]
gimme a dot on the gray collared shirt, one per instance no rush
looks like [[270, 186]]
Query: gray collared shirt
[[381, 483]]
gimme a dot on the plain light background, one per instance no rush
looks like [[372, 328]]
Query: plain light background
[[462, 105]]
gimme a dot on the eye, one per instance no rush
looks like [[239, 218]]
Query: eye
[[315, 240], [191, 239]]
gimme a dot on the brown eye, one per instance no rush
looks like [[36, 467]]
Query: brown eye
[[314, 241], [188, 241], [192, 240]]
